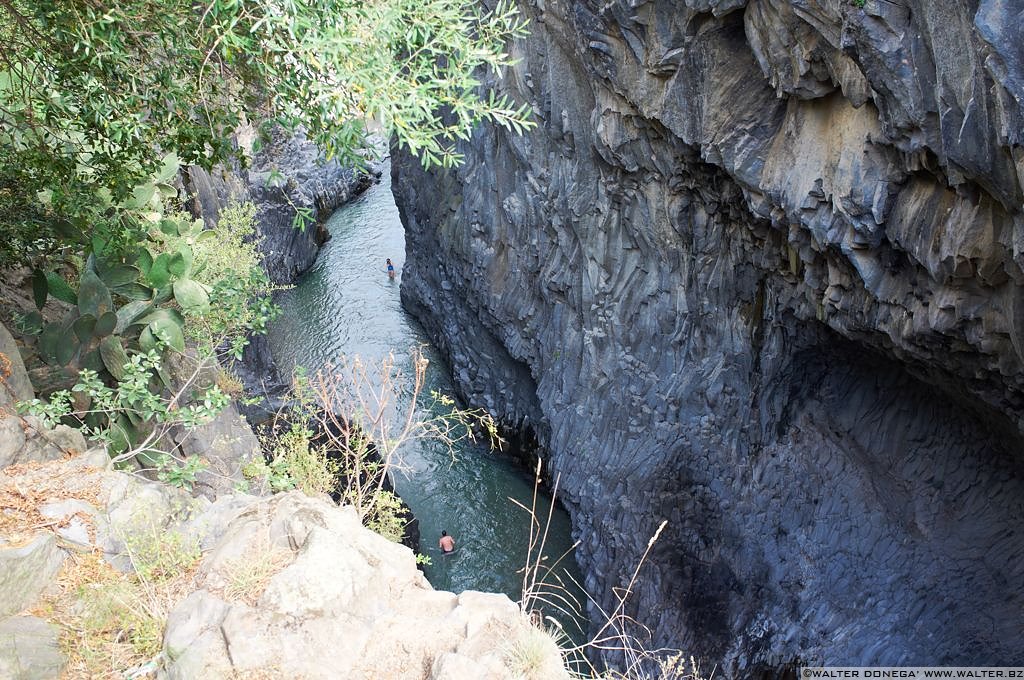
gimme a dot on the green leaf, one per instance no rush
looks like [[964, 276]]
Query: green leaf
[[170, 332], [84, 327], [169, 226], [191, 295], [93, 296], [194, 228], [162, 314], [144, 262], [165, 377], [168, 168], [67, 347], [150, 458], [60, 289], [93, 361], [135, 291], [162, 295], [105, 324], [40, 287], [134, 417], [119, 275], [206, 236], [148, 341], [142, 195], [32, 323], [160, 273], [113, 355], [51, 336], [129, 313], [98, 245], [121, 433], [69, 231], [181, 262]]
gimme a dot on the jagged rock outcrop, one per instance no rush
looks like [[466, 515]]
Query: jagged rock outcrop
[[344, 602], [303, 180], [288, 586], [758, 273], [24, 439]]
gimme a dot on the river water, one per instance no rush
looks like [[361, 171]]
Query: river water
[[346, 305]]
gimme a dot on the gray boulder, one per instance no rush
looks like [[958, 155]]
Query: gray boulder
[[29, 649], [26, 571], [296, 586], [15, 385]]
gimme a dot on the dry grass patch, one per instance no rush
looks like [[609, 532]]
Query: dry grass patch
[[247, 577], [26, 487], [112, 623], [535, 654]]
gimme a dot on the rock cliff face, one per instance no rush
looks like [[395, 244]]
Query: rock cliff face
[[759, 273]]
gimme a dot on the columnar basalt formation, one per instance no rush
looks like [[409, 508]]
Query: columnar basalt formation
[[758, 272]]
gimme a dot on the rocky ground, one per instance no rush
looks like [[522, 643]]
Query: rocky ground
[[107, 574]]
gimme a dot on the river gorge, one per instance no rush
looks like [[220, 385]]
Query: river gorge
[[346, 306], [757, 273], [746, 276]]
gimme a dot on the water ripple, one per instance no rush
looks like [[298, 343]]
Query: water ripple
[[346, 304]]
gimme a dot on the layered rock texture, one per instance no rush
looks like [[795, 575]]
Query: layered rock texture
[[758, 272]]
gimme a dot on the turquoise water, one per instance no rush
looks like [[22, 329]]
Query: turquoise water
[[345, 306]]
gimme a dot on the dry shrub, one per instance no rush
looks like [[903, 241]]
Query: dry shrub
[[535, 655], [112, 623], [618, 633]]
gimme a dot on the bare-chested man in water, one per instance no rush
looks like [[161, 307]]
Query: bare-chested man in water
[[447, 543]]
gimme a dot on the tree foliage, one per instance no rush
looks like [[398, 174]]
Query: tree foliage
[[94, 92]]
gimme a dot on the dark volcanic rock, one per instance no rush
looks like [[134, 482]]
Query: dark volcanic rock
[[759, 273]]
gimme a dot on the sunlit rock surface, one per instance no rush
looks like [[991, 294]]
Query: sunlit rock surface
[[759, 273]]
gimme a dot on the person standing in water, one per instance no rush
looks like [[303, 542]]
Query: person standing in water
[[391, 269], [447, 543]]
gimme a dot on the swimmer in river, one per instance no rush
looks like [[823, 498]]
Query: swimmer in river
[[391, 269], [447, 543]]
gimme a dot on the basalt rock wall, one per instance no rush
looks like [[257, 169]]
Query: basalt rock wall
[[758, 272]]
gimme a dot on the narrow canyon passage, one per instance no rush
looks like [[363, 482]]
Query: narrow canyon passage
[[347, 305]]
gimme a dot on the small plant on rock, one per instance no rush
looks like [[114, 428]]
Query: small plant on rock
[[248, 576], [112, 623], [344, 431], [295, 463], [181, 475]]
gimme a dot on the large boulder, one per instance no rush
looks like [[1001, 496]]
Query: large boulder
[[14, 383], [26, 439], [29, 649], [25, 571], [294, 576]]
